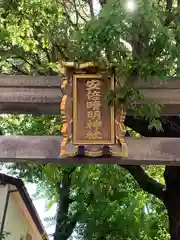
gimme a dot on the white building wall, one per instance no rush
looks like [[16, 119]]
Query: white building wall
[[18, 221], [15, 223], [3, 195]]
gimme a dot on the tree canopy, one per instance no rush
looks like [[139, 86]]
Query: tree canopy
[[37, 35], [97, 202]]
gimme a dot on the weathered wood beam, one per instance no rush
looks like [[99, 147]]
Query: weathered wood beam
[[54, 81], [28, 81], [42, 94], [45, 149], [30, 94], [153, 82], [30, 108], [162, 96]]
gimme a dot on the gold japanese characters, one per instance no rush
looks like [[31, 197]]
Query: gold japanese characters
[[93, 104], [89, 123], [93, 119]]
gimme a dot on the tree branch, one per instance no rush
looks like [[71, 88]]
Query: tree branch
[[169, 4], [83, 12], [172, 178], [102, 2], [66, 14], [64, 226], [145, 182], [76, 12], [17, 69], [71, 225], [90, 3], [170, 15], [29, 63], [62, 53]]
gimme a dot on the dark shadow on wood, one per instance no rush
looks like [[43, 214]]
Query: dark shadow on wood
[[170, 124]]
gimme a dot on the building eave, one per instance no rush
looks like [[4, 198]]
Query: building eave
[[18, 183]]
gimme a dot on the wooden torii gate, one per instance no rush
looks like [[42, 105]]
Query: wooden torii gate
[[42, 95]]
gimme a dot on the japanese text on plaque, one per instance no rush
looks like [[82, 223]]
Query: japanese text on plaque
[[93, 104]]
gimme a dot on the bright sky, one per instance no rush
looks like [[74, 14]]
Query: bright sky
[[40, 205], [130, 5]]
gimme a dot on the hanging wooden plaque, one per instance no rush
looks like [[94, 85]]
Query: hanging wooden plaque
[[93, 119], [90, 127]]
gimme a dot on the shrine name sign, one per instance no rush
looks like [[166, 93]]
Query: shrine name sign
[[93, 119], [90, 128]]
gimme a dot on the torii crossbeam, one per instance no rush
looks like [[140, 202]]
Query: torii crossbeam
[[42, 95]]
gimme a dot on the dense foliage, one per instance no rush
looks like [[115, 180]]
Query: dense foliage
[[105, 201], [139, 44], [97, 202], [4, 235]]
